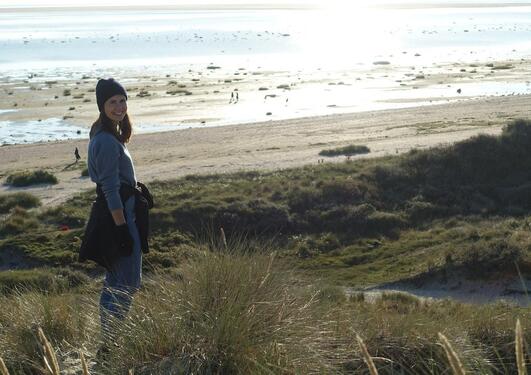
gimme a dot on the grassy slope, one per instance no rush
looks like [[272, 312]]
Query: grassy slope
[[465, 207], [462, 207]]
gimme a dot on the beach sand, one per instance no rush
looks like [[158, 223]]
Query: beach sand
[[270, 145], [197, 100], [200, 95]]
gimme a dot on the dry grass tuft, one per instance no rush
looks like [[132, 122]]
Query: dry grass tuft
[[223, 238], [366, 357], [453, 358], [84, 364], [50, 359], [519, 349], [3, 368]]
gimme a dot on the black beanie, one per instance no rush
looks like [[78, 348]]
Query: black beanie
[[107, 88]]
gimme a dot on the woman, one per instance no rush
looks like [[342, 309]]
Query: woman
[[112, 237]]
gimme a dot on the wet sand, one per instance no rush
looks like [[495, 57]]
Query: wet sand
[[170, 98]]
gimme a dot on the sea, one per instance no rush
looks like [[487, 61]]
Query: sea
[[71, 42]]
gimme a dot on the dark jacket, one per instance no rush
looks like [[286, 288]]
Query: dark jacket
[[100, 241]]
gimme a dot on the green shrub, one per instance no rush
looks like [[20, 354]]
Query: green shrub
[[28, 178], [19, 221], [486, 257], [347, 151], [72, 217], [24, 200]]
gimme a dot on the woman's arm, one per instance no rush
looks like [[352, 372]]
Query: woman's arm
[[106, 160], [118, 216]]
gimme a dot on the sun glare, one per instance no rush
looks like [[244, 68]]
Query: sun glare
[[346, 29]]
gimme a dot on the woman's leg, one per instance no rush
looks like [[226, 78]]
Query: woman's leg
[[122, 279]]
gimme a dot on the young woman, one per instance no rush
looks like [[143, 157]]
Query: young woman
[[113, 237]]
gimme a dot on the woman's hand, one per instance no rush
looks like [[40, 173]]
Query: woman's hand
[[123, 237], [124, 240]]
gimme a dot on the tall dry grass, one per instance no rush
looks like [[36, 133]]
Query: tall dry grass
[[236, 312], [68, 320], [519, 349], [366, 356], [3, 367], [227, 314], [51, 365], [453, 358]]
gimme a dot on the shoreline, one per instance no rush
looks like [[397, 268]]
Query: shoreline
[[270, 145], [264, 6], [169, 98]]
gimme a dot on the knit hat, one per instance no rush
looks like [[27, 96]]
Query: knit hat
[[107, 88]]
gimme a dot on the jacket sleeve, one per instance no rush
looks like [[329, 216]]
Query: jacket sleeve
[[107, 163]]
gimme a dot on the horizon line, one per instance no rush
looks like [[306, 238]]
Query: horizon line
[[273, 5]]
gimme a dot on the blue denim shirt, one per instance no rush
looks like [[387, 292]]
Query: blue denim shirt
[[110, 165]]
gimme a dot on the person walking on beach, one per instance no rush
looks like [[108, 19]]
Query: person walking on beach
[[76, 154], [116, 233]]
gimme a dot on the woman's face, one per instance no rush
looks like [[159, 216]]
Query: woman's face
[[116, 107]]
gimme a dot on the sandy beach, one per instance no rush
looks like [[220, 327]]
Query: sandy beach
[[245, 104], [270, 145]]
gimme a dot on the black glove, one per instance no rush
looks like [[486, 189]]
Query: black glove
[[124, 240]]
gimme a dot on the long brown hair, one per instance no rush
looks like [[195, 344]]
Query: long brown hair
[[122, 131]]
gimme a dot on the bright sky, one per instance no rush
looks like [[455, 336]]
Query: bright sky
[[35, 3], [25, 3]]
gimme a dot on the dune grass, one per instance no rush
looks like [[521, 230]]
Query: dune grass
[[226, 304], [27, 178], [347, 151], [44, 280], [24, 200], [229, 312], [459, 208]]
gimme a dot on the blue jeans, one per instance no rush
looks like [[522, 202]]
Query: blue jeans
[[122, 279]]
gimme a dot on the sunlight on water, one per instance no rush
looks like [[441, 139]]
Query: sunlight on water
[[339, 59], [329, 37]]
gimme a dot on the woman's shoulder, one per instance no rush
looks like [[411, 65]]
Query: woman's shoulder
[[103, 139], [104, 136]]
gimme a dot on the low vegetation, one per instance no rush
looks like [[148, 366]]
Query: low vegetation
[[27, 178], [292, 240], [230, 312], [24, 200], [347, 151]]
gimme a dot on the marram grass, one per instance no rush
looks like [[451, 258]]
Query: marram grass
[[234, 312], [366, 356], [453, 358], [519, 349]]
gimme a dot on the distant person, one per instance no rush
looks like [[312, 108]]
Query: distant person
[[231, 97], [76, 154], [116, 234], [237, 97]]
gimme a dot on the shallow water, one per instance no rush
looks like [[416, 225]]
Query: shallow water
[[329, 38], [67, 44], [52, 129]]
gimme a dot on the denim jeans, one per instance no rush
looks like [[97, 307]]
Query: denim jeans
[[122, 280]]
